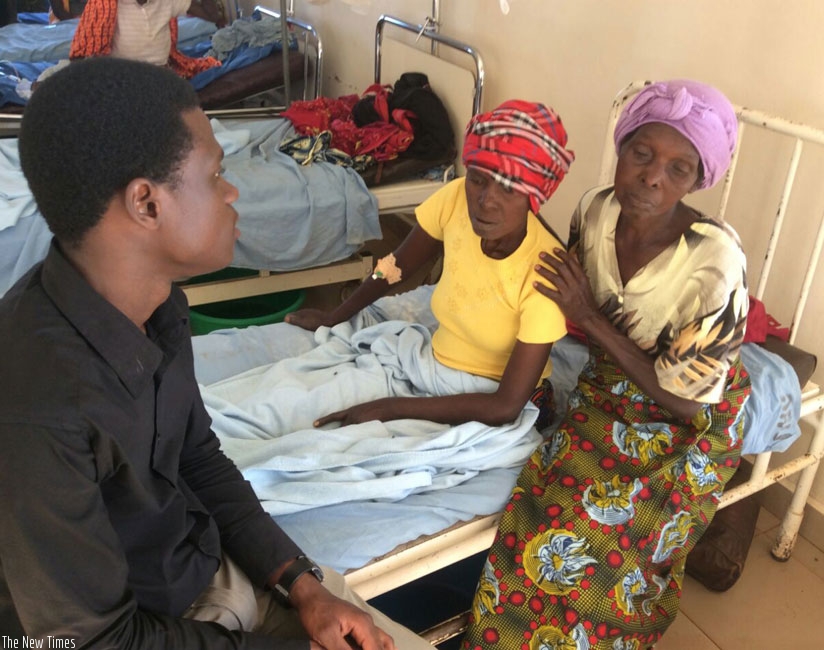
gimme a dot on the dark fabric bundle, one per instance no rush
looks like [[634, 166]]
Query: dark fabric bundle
[[434, 137]]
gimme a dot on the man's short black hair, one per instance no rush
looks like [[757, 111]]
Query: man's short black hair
[[92, 128]]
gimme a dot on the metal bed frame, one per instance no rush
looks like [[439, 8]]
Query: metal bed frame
[[428, 554], [461, 90], [311, 41], [312, 48]]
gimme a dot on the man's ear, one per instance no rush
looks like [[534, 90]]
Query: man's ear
[[142, 202]]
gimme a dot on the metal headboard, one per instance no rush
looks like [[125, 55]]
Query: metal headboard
[[424, 31]]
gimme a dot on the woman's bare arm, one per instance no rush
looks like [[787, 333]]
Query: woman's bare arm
[[521, 375], [416, 249]]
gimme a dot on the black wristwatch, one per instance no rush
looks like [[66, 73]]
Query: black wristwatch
[[301, 565]]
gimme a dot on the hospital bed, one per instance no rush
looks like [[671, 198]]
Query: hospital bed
[[301, 225], [280, 268], [24, 236], [246, 71], [384, 543]]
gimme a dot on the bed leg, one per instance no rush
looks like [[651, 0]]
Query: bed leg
[[790, 525]]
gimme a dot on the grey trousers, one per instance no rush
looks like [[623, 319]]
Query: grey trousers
[[232, 601]]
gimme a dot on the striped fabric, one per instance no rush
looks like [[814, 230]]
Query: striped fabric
[[521, 145], [95, 33]]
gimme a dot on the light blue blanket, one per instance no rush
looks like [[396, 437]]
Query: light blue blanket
[[16, 200], [294, 216], [24, 236], [35, 42], [264, 420], [348, 535], [291, 216]]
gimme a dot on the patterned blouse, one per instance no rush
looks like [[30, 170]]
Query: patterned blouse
[[687, 307]]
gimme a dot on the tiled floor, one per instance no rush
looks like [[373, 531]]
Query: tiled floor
[[774, 605]]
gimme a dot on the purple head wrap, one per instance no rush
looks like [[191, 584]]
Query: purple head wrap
[[702, 114]]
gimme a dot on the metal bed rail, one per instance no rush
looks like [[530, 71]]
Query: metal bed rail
[[426, 31], [397, 198], [308, 31]]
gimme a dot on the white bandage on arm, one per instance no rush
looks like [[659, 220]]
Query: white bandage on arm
[[386, 269]]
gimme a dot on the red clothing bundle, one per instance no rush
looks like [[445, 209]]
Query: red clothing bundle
[[383, 140]]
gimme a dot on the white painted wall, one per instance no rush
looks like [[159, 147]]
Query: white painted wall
[[577, 54]]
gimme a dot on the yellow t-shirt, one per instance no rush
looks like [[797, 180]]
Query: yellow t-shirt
[[482, 304]]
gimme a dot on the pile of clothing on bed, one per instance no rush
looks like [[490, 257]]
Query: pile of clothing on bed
[[404, 122]]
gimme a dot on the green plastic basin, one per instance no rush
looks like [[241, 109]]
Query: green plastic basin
[[244, 312]]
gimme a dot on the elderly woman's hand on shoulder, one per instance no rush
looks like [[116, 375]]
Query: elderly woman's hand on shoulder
[[567, 285]]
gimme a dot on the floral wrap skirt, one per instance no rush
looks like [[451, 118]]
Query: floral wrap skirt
[[591, 548]]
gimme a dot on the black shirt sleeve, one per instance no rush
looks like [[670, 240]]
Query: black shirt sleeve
[[248, 534], [62, 561]]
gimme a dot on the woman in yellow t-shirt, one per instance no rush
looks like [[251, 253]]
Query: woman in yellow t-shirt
[[492, 320], [591, 547]]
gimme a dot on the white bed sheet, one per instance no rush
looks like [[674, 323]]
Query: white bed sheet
[[264, 417]]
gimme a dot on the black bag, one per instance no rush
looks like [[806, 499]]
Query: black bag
[[434, 139]]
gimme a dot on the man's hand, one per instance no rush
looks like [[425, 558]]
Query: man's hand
[[332, 623]]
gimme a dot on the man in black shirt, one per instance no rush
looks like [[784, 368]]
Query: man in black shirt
[[118, 510]]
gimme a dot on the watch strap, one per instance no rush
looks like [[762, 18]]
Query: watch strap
[[291, 573]]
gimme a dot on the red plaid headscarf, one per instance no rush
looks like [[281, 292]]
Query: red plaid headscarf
[[520, 145]]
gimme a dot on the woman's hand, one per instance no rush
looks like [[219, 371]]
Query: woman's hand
[[572, 292], [332, 622], [379, 409], [574, 296], [310, 319]]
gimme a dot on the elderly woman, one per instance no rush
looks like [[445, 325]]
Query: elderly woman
[[590, 551], [493, 320]]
